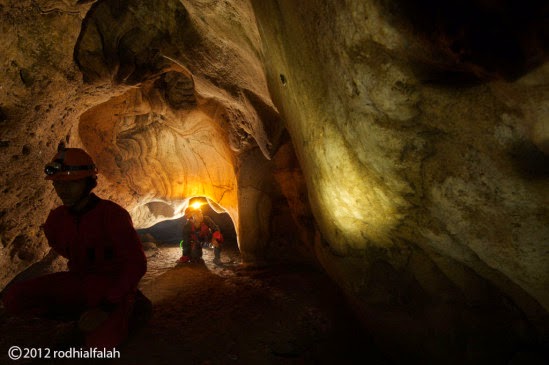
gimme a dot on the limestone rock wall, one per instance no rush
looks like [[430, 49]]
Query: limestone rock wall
[[179, 133], [169, 98], [402, 146], [420, 130], [40, 104]]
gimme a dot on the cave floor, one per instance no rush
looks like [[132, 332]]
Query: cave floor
[[228, 314]]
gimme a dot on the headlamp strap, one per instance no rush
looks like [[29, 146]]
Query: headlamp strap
[[77, 168]]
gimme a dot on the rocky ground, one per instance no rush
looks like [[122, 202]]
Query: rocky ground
[[229, 314]]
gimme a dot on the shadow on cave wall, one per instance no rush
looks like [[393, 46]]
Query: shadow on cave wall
[[132, 46], [470, 41]]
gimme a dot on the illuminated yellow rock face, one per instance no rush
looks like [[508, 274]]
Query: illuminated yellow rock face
[[401, 149], [354, 204], [170, 99], [417, 144], [157, 158], [177, 133]]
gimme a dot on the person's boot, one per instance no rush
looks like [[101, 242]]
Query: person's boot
[[184, 259]]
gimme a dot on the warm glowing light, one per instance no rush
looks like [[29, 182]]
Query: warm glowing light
[[196, 205], [355, 207]]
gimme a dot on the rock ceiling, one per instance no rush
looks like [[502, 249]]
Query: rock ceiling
[[400, 144]]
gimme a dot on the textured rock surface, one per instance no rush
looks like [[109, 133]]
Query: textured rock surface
[[423, 152], [165, 97], [419, 179]]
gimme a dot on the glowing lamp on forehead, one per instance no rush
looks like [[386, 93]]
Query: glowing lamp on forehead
[[196, 205]]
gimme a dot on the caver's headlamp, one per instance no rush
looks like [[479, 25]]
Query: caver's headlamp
[[70, 164], [53, 168]]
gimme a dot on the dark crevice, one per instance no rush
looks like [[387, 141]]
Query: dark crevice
[[529, 161], [471, 39]]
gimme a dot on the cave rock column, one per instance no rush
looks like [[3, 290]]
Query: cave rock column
[[254, 185]]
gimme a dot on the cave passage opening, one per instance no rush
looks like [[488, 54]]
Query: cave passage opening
[[169, 231], [162, 242]]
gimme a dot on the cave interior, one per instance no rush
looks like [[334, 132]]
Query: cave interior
[[401, 148]]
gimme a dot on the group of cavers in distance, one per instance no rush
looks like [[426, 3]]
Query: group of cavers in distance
[[106, 261]]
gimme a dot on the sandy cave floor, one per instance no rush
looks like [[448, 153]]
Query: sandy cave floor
[[229, 314]]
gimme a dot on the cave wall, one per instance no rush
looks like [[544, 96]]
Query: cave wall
[[169, 98], [40, 105], [413, 168], [421, 129]]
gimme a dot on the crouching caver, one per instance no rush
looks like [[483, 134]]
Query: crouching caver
[[197, 231], [105, 258]]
